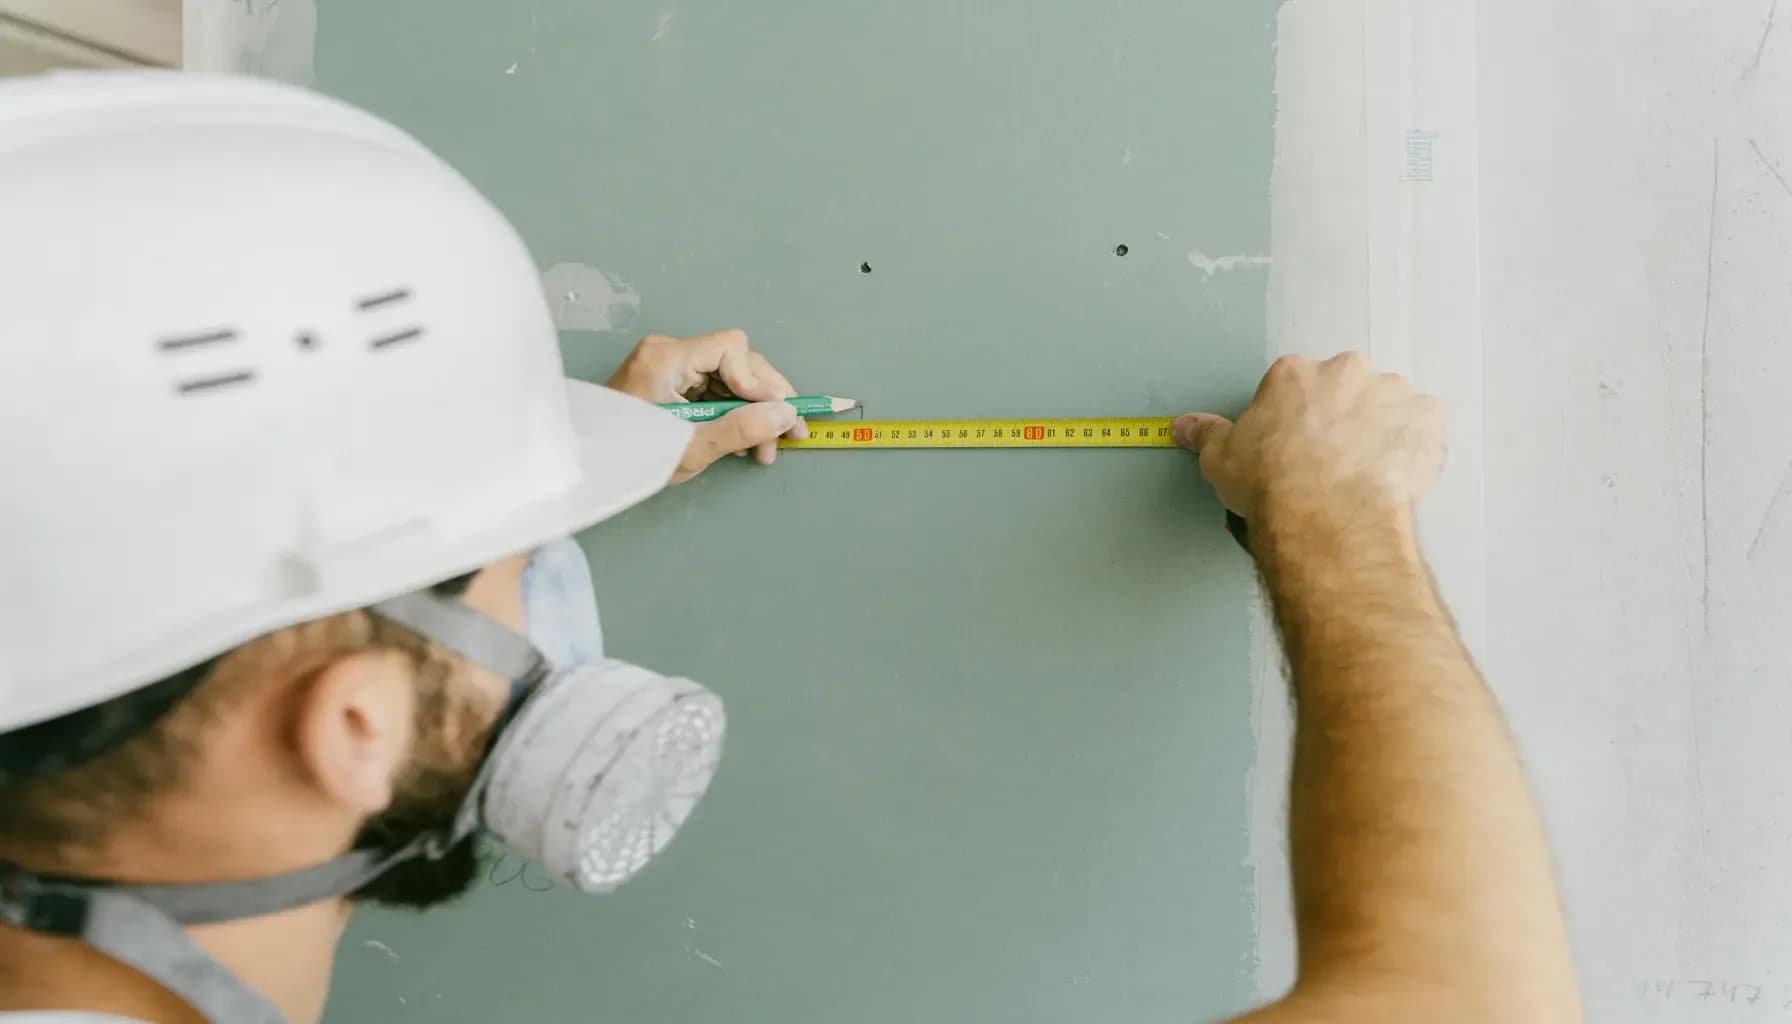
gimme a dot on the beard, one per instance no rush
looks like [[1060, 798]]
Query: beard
[[452, 733]]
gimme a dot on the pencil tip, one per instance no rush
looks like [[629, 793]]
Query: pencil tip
[[844, 404]]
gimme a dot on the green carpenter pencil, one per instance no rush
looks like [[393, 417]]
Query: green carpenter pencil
[[806, 405]]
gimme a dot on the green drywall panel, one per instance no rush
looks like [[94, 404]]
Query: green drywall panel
[[989, 711]]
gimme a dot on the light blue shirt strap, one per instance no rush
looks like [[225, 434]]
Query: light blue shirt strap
[[561, 602], [137, 934]]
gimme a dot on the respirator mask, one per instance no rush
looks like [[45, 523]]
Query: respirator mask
[[600, 761], [594, 763], [590, 770]]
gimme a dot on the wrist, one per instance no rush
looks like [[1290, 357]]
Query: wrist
[[1295, 533]]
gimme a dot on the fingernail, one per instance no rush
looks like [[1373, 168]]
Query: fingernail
[[800, 432], [1184, 430]]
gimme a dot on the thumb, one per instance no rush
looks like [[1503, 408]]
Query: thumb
[[747, 427], [1197, 430]]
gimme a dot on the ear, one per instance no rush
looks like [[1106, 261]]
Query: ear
[[355, 719]]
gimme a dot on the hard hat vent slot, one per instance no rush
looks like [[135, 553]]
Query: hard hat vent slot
[[212, 383], [381, 301], [408, 334], [181, 341], [211, 339]]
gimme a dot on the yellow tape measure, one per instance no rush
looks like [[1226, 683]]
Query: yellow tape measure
[[1106, 432]]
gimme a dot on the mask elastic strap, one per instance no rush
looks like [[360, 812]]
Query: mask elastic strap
[[53, 903], [140, 925], [467, 631]]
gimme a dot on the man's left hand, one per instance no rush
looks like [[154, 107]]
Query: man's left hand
[[715, 367]]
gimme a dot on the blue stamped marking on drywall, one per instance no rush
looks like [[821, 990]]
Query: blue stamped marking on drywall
[[1421, 156]]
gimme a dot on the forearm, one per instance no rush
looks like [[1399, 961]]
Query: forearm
[[1421, 874]]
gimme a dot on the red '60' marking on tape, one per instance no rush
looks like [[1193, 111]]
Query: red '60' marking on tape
[[1034, 434]]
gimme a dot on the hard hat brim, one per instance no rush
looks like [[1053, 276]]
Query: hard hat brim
[[628, 451]]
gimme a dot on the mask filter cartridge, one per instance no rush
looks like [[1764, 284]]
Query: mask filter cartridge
[[601, 766]]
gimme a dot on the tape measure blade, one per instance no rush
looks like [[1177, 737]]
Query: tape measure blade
[[1087, 432]]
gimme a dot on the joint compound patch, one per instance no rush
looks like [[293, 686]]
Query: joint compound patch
[[585, 298], [1211, 265]]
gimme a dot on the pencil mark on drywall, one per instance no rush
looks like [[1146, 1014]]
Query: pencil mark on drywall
[[706, 958], [1126, 157], [381, 946], [1775, 171], [664, 26], [585, 298], [1698, 768], [511, 70], [1773, 504], [1211, 265], [1705, 400], [1754, 65], [504, 868]]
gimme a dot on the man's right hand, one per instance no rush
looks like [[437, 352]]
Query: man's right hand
[[1422, 882], [711, 367], [1331, 435]]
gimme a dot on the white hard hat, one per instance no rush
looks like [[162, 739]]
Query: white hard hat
[[263, 358]]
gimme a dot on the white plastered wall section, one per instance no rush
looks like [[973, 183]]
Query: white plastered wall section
[[1637, 284], [1374, 201], [271, 38], [1608, 310]]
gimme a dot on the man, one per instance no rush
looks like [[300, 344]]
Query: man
[[290, 615]]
